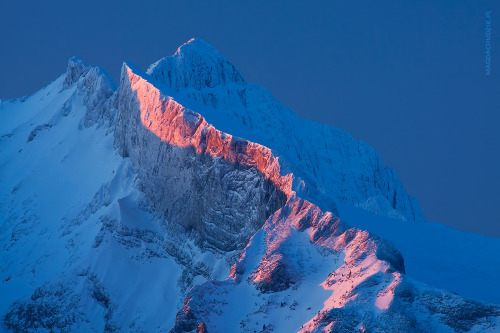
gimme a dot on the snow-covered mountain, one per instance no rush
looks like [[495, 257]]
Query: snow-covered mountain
[[187, 199]]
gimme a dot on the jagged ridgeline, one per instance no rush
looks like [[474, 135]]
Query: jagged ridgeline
[[188, 199]]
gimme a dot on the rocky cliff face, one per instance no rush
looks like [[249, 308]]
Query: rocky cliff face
[[329, 165], [191, 200], [218, 187], [95, 88]]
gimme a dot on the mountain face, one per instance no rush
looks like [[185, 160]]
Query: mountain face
[[189, 200], [209, 84]]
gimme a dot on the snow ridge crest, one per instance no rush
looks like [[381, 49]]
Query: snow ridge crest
[[196, 64]]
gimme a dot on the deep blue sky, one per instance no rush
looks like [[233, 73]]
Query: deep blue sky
[[406, 77]]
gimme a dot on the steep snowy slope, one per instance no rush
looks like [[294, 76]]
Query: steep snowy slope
[[142, 208], [79, 245], [306, 271], [438, 255]]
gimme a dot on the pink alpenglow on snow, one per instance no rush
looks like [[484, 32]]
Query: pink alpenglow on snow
[[181, 127]]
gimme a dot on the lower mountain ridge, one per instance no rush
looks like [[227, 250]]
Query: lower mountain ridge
[[138, 209]]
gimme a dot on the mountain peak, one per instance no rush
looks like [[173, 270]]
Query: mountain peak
[[76, 69], [197, 46], [196, 64], [155, 188]]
